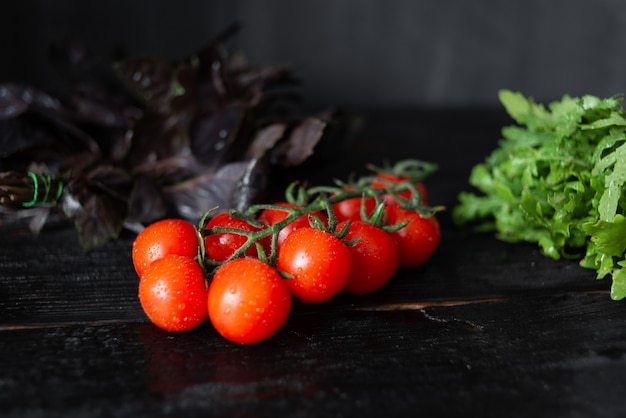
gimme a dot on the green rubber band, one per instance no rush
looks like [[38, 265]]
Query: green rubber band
[[32, 203], [46, 183], [59, 191]]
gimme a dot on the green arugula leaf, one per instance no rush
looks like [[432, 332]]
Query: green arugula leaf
[[558, 179], [608, 237]]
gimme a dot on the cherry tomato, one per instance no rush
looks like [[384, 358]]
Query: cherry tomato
[[222, 245], [248, 301], [173, 293], [168, 236], [273, 216], [386, 178], [350, 209], [418, 240], [376, 257], [319, 262]]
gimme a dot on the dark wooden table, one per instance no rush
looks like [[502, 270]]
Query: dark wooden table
[[485, 328]]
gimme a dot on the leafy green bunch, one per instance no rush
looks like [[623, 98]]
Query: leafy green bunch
[[557, 179]]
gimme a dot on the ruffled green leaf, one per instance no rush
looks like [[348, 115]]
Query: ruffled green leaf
[[557, 179]]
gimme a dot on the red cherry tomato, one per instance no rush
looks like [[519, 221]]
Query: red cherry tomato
[[319, 262], [168, 236], [418, 240], [376, 257], [222, 245], [248, 301], [173, 293], [350, 209], [273, 216]]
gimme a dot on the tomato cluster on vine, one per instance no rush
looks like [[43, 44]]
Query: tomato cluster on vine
[[242, 270]]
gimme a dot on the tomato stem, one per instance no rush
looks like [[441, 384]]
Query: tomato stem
[[309, 201]]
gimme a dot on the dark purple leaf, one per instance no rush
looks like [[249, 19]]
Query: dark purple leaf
[[11, 104], [151, 78], [194, 197], [157, 136], [252, 186], [147, 204], [265, 140], [301, 143], [100, 113], [173, 170], [16, 99], [213, 136], [111, 180], [193, 97], [99, 101], [101, 219], [98, 202]]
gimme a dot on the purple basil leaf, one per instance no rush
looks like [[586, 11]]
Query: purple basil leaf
[[265, 140], [16, 99], [189, 97], [96, 95], [151, 78], [11, 102], [252, 186], [301, 143], [103, 112], [157, 136], [147, 204], [98, 202], [111, 180], [194, 197], [100, 220], [214, 135], [173, 170]]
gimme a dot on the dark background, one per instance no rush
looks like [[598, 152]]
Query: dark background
[[353, 52]]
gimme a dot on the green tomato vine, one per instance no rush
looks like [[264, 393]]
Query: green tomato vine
[[310, 200]]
